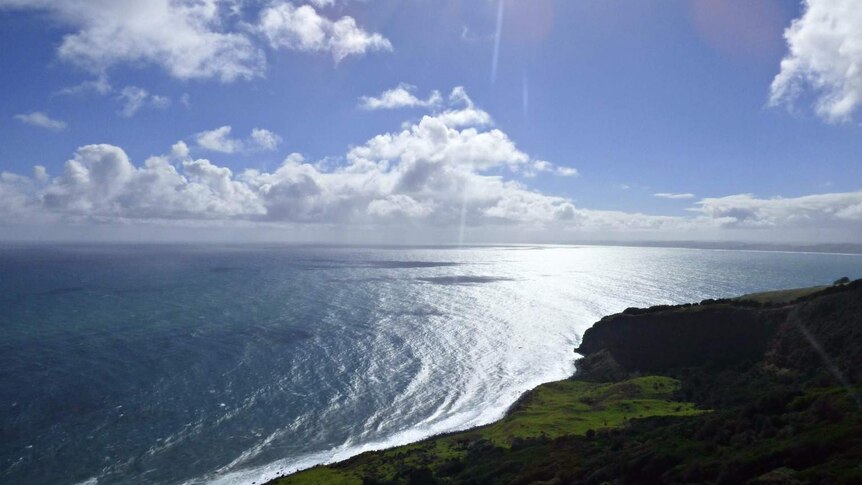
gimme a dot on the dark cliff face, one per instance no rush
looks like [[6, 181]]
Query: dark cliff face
[[710, 335], [799, 335]]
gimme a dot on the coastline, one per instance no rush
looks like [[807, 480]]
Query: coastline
[[609, 397]]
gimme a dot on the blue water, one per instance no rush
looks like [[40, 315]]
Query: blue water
[[183, 364]]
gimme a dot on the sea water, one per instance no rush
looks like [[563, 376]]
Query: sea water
[[233, 364]]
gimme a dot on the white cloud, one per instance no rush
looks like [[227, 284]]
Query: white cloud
[[303, 29], [100, 85], [40, 173], [134, 98], [433, 142], [462, 111], [16, 199], [671, 195], [825, 56], [265, 139], [746, 210], [430, 175], [400, 97], [131, 98], [430, 171], [187, 38], [193, 39], [180, 150], [459, 108], [456, 118], [40, 119], [101, 182], [219, 140], [543, 166], [546, 166], [399, 205], [567, 171]]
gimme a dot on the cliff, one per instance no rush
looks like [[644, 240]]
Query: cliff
[[761, 389], [820, 332]]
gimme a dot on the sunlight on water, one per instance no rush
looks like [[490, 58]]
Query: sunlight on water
[[234, 364]]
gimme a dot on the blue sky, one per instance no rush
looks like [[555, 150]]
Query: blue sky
[[599, 107]]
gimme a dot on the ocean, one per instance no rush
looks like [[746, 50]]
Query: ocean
[[178, 364]]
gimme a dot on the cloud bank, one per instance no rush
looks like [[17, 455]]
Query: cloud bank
[[442, 169], [821, 210], [448, 170]]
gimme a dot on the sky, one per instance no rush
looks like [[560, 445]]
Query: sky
[[420, 121]]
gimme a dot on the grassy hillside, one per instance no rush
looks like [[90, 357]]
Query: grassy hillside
[[553, 410]]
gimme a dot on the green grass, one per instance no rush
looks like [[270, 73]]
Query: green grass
[[552, 410], [321, 475], [573, 407]]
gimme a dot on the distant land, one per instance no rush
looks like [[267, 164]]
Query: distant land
[[836, 248], [839, 248], [761, 389]]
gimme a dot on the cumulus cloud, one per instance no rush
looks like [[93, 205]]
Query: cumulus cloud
[[824, 57], [40, 119], [263, 139], [16, 199], [180, 150], [378, 187], [434, 172], [457, 110], [400, 97], [186, 38], [101, 182], [303, 29], [193, 39], [672, 195], [134, 98], [220, 140]]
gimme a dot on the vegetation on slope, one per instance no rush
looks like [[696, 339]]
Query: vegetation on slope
[[782, 380], [780, 296], [553, 410]]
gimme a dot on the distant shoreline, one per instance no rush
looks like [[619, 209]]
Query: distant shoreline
[[845, 249]]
